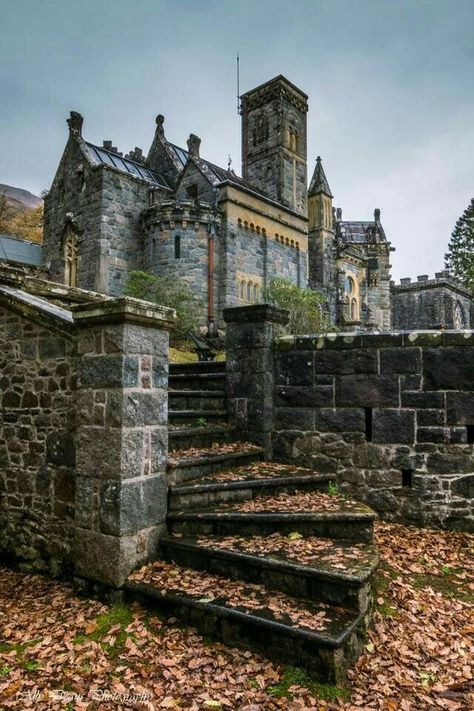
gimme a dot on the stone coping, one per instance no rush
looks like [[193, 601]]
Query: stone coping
[[342, 341], [124, 309], [36, 309], [256, 313]]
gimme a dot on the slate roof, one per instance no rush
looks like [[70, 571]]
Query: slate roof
[[359, 231], [20, 251], [214, 173], [319, 183], [98, 155]]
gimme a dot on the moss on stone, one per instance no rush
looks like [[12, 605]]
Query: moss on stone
[[294, 676]]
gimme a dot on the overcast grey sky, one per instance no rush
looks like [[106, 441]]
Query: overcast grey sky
[[390, 85]]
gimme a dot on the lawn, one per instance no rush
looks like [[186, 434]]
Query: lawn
[[58, 651]]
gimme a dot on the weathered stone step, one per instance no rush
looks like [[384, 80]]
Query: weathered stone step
[[323, 639], [198, 367], [196, 399], [184, 437], [227, 487], [179, 417], [354, 525], [338, 573], [190, 464], [197, 381]]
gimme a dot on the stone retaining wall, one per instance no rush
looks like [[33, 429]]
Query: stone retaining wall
[[83, 432], [37, 454], [391, 416]]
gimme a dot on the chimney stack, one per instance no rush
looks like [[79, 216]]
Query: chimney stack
[[194, 143], [75, 122]]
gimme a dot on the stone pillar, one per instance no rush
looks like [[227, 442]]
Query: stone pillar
[[250, 334], [122, 436]]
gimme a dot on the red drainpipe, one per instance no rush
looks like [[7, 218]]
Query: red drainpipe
[[210, 280]]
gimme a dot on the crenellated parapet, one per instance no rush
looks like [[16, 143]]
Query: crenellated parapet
[[170, 214]]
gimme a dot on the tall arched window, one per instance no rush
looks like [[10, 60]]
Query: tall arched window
[[354, 310], [249, 291], [242, 290], [177, 247], [255, 293], [71, 257]]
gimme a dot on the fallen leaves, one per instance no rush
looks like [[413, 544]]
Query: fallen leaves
[[429, 633], [248, 597], [298, 502]]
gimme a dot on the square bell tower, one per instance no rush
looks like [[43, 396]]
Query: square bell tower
[[274, 141]]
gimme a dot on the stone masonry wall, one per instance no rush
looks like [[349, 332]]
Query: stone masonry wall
[[390, 415], [431, 303], [37, 454]]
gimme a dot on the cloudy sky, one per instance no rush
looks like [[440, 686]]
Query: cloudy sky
[[390, 85]]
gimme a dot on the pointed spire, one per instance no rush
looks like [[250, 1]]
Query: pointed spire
[[319, 183]]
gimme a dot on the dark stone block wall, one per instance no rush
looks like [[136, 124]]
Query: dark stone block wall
[[37, 451], [390, 415]]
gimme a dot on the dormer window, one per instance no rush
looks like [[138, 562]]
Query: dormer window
[[192, 191]]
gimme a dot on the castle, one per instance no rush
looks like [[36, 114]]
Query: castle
[[174, 213]]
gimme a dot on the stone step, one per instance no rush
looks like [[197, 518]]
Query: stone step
[[337, 573], [323, 639], [244, 483], [197, 381], [191, 464], [185, 437], [197, 399], [197, 367], [308, 515], [197, 417]]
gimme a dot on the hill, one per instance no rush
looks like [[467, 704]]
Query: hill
[[21, 213]]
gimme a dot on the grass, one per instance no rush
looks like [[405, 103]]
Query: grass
[[176, 355], [293, 676], [19, 649], [447, 584], [118, 614], [382, 581]]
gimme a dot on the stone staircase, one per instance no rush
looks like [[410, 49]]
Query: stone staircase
[[257, 554]]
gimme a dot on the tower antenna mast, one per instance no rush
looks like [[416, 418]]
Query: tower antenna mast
[[238, 84]]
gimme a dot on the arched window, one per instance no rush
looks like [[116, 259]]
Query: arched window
[[242, 290], [354, 310], [349, 286], [177, 247], [249, 291], [255, 293], [71, 257]]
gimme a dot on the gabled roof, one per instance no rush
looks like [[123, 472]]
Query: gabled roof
[[98, 155], [319, 183], [362, 231], [19, 251]]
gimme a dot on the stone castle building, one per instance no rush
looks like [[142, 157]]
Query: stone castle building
[[173, 212]]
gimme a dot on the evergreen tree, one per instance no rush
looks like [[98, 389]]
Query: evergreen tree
[[459, 259]]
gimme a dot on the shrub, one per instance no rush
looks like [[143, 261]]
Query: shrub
[[306, 306], [171, 291]]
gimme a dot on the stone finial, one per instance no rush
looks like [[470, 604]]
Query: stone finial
[[160, 119], [194, 143], [107, 145], [423, 277], [75, 122], [377, 214], [339, 213], [406, 280], [442, 275]]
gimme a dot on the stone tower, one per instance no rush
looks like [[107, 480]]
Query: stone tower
[[274, 141], [321, 235]]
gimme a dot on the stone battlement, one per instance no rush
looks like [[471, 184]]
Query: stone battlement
[[423, 281]]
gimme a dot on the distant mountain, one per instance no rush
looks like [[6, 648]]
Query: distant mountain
[[21, 213], [19, 199]]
